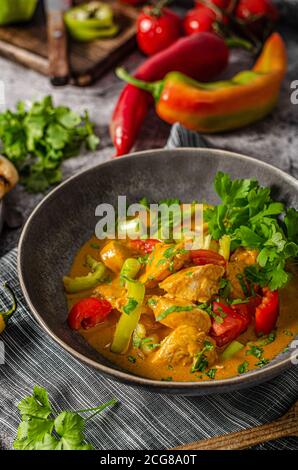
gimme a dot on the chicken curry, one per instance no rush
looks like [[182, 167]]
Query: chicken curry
[[165, 312]]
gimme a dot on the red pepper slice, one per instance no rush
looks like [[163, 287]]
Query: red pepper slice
[[235, 322], [267, 312], [143, 246], [88, 312], [201, 257]]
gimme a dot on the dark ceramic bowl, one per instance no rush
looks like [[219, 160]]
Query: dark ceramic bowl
[[65, 220]]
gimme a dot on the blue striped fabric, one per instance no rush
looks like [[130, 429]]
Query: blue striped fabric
[[141, 420]]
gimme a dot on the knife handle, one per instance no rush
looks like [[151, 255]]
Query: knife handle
[[57, 49]]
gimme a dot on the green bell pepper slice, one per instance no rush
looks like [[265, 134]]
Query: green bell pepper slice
[[91, 21], [93, 278], [230, 351]]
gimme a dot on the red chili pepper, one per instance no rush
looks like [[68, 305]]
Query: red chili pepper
[[201, 257], [201, 56], [267, 312], [235, 321], [88, 312], [143, 247]]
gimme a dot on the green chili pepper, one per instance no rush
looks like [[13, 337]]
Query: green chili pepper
[[231, 350], [93, 278], [130, 316], [130, 269], [4, 316], [91, 21]]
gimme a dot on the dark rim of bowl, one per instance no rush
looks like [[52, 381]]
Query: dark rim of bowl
[[126, 376]]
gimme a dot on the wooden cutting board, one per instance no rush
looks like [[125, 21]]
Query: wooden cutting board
[[27, 45]]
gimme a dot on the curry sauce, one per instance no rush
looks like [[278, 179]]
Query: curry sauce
[[254, 354]]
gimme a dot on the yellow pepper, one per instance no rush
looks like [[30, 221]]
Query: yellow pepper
[[4, 316]]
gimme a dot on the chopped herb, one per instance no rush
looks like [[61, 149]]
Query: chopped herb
[[198, 376], [268, 339], [190, 273], [152, 301], [288, 333], [169, 252], [263, 362], [130, 306], [144, 202], [286, 349], [132, 359], [239, 301], [95, 246], [207, 308], [243, 367], [243, 284], [211, 373], [171, 266], [170, 367], [167, 379], [161, 261], [200, 363], [174, 308], [224, 288], [255, 351], [143, 259]]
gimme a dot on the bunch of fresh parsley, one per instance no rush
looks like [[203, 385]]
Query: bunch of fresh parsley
[[38, 431], [253, 220], [38, 139]]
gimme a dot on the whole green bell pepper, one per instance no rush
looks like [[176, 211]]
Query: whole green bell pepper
[[15, 11]]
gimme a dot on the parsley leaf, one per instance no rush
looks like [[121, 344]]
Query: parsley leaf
[[37, 431], [249, 216], [38, 139]]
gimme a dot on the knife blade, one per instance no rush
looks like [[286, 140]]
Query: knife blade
[[57, 41]]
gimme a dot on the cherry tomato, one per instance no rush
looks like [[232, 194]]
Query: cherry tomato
[[157, 29], [234, 321], [267, 312], [223, 4], [201, 257], [248, 10], [143, 247], [199, 20], [133, 2], [88, 312]]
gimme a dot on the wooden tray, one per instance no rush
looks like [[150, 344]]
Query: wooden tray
[[27, 45]]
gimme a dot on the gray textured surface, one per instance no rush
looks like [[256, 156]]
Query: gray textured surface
[[273, 140]]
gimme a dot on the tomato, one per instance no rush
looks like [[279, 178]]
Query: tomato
[[88, 312], [199, 20], [157, 29], [143, 247], [248, 10], [223, 4], [267, 312], [235, 320], [201, 257]]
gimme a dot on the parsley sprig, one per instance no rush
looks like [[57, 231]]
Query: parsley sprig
[[252, 219], [38, 431], [38, 139]]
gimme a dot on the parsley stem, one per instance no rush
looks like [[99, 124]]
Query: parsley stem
[[99, 408]]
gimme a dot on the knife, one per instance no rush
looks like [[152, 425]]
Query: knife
[[57, 41]]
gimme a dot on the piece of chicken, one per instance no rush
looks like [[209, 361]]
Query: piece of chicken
[[192, 315], [182, 345], [8, 176], [113, 292], [164, 260], [197, 283], [114, 254], [239, 261]]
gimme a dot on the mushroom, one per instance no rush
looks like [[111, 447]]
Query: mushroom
[[8, 176]]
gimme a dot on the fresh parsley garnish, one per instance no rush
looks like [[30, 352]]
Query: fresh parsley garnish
[[38, 139], [255, 351], [132, 359], [130, 306], [242, 368], [211, 373], [174, 308], [263, 362], [252, 219], [200, 363], [40, 430]]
